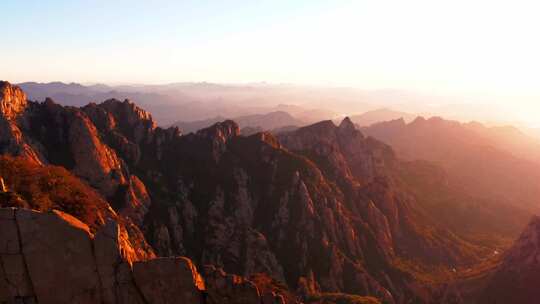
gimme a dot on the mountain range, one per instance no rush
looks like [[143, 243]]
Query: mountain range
[[100, 201], [189, 102]]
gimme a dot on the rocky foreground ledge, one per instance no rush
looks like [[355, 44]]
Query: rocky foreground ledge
[[55, 258]]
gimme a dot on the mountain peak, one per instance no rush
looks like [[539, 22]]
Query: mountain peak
[[418, 120], [347, 130], [130, 117], [128, 108], [223, 131], [347, 124], [12, 100]]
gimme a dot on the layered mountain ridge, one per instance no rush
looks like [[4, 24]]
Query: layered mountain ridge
[[477, 159]]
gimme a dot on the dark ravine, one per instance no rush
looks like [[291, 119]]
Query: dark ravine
[[319, 214]]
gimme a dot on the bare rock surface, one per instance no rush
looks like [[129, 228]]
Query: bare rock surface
[[55, 258], [12, 105], [58, 252], [168, 280], [229, 289], [81, 140]]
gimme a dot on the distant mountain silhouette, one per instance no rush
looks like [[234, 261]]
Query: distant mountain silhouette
[[185, 101], [381, 115], [509, 139], [476, 158], [265, 122]]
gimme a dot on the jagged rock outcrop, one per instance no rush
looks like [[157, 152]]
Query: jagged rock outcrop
[[124, 125], [94, 161], [343, 150], [219, 134], [66, 136], [12, 100], [169, 281], [12, 104], [132, 120]]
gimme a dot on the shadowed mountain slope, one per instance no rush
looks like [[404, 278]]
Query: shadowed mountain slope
[[476, 163]]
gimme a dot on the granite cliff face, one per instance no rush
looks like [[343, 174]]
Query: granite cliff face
[[318, 214], [13, 101], [367, 172], [343, 150], [48, 133], [12, 104]]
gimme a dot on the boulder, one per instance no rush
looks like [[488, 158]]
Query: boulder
[[126, 290], [59, 254]]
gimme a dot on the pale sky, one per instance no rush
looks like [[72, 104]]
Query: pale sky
[[484, 50]]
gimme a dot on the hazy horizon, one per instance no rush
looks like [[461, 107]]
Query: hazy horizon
[[472, 52]]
